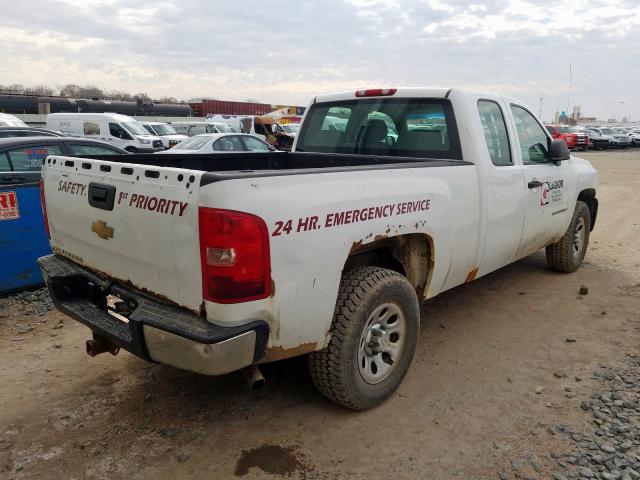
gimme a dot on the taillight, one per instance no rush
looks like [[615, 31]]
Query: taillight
[[44, 208], [376, 92], [234, 252]]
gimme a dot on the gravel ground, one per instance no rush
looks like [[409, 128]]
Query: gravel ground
[[611, 448], [523, 373]]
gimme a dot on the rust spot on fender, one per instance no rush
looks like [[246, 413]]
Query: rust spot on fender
[[471, 276], [279, 353], [355, 246]]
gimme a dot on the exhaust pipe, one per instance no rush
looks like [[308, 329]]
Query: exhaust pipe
[[100, 345], [253, 377]]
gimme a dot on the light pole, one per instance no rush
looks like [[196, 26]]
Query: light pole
[[540, 109]]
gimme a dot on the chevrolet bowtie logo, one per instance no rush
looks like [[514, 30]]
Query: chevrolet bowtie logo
[[100, 228]]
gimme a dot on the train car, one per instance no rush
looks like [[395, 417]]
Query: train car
[[222, 107], [33, 104], [139, 108]]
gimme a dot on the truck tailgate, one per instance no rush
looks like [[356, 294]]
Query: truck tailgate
[[137, 224]]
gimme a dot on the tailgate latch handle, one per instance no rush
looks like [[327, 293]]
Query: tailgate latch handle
[[102, 196]]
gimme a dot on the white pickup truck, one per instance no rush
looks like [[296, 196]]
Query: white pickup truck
[[214, 263]]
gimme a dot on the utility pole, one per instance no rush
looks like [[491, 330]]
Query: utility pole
[[569, 97], [540, 109]]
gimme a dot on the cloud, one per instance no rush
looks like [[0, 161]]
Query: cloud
[[289, 51]]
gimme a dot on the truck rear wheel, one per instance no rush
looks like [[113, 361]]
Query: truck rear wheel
[[567, 254], [373, 338]]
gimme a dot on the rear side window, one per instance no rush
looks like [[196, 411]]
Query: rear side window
[[495, 132], [91, 150], [4, 163], [30, 158], [403, 127], [91, 128], [228, 144], [255, 145]]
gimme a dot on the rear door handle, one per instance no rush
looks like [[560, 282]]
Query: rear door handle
[[534, 184]]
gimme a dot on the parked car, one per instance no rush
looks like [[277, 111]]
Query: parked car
[[7, 120], [9, 132], [191, 128], [119, 130], [21, 157], [223, 262], [290, 128], [167, 133], [631, 132], [598, 140], [618, 139], [221, 142], [576, 137]]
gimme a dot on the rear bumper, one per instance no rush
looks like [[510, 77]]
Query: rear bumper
[[156, 331]]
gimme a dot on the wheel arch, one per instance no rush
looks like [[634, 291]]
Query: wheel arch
[[412, 255], [588, 196]]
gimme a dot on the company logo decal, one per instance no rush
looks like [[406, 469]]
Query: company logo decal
[[551, 192]]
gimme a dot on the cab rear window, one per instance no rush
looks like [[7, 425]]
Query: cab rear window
[[402, 127]]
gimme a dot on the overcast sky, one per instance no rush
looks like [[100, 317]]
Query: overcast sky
[[286, 51]]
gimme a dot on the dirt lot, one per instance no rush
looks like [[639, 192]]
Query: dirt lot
[[469, 407]]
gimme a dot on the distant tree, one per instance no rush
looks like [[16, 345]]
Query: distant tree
[[41, 90], [15, 88], [119, 96], [70, 90], [91, 91], [142, 96], [166, 99]]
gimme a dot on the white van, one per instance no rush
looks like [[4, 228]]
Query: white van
[[119, 130], [199, 127], [167, 133], [7, 120], [261, 126]]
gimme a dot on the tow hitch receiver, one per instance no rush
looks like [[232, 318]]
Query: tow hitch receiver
[[100, 345]]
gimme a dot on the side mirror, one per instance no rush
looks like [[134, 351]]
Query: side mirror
[[558, 151]]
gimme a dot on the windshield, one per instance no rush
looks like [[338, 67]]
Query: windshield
[[163, 129], [576, 129], [219, 128], [135, 128], [403, 127], [290, 127], [193, 143], [12, 123], [607, 131]]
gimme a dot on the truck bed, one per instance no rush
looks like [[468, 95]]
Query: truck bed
[[224, 166]]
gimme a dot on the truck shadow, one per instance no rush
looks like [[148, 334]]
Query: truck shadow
[[166, 414], [288, 381]]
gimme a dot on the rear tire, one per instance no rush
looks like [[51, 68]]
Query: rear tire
[[373, 338], [567, 254]]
